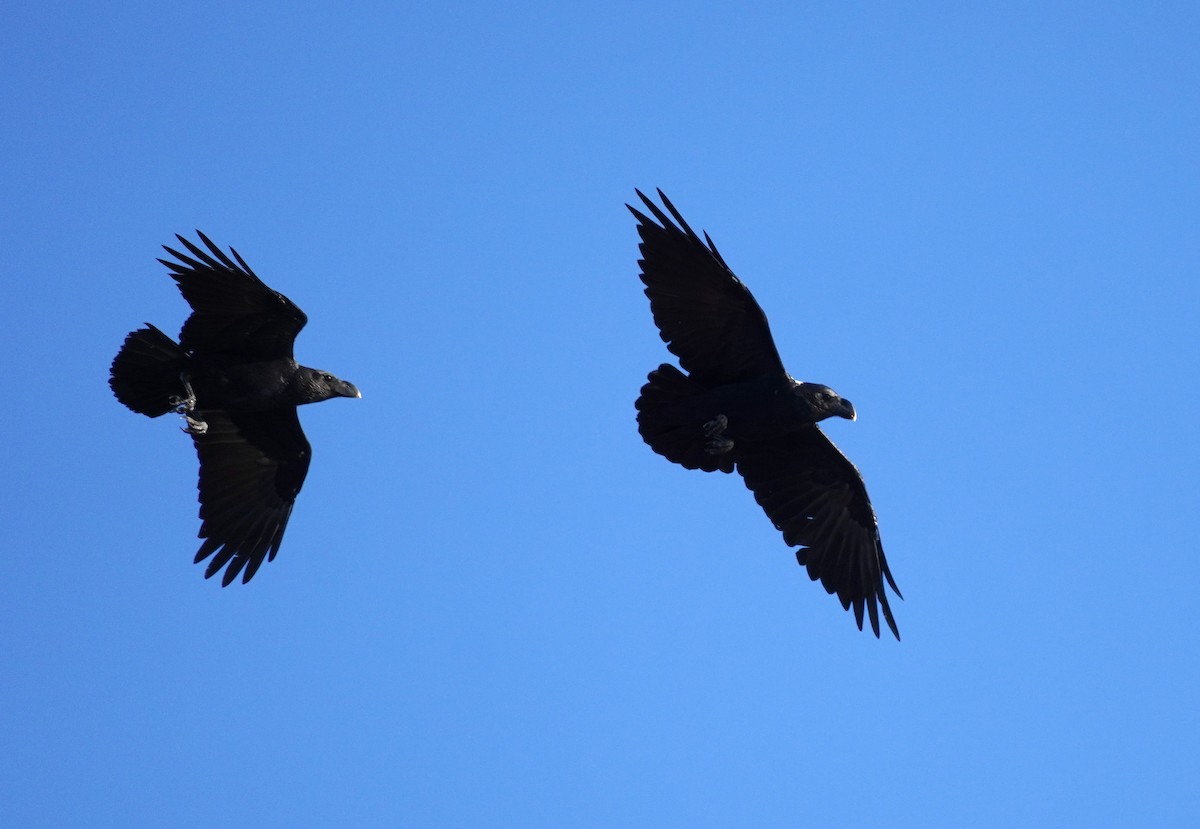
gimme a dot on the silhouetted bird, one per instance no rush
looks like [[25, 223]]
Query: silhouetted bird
[[737, 407], [233, 378]]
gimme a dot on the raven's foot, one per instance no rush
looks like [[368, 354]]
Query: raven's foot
[[716, 426], [194, 426], [713, 430], [718, 446], [184, 405]]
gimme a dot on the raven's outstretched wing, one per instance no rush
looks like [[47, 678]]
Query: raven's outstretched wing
[[816, 497], [252, 465], [233, 311], [706, 316]]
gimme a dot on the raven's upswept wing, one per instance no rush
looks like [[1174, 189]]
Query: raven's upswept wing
[[706, 316], [233, 311]]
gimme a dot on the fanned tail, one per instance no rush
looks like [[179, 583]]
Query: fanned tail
[[664, 424], [145, 372]]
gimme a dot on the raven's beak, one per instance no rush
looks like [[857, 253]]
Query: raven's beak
[[348, 390], [846, 410]]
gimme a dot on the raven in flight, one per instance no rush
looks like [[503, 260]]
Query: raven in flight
[[738, 407], [233, 378]]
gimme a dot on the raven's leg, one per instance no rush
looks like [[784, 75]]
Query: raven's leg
[[186, 405], [713, 430]]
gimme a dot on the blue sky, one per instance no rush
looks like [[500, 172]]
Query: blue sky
[[495, 606]]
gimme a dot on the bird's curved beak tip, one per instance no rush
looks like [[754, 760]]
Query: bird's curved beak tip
[[848, 410]]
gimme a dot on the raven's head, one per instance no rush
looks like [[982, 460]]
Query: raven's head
[[316, 385], [822, 401]]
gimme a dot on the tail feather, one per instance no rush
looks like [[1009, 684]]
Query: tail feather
[[664, 424], [145, 373]]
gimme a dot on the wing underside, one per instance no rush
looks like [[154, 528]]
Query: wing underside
[[251, 468]]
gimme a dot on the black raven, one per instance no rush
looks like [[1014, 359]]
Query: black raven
[[233, 378], [738, 407]]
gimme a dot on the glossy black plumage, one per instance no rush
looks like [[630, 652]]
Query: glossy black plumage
[[232, 375], [737, 408]]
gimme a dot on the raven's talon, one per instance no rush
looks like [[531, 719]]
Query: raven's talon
[[718, 446], [194, 426], [713, 430], [715, 427]]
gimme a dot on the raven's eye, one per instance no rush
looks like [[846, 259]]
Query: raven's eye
[[327, 377]]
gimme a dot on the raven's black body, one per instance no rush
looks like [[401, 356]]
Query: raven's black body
[[738, 408], [232, 375]]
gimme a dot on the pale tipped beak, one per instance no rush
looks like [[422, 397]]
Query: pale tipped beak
[[846, 410]]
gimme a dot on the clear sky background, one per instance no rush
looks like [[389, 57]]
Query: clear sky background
[[495, 606]]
